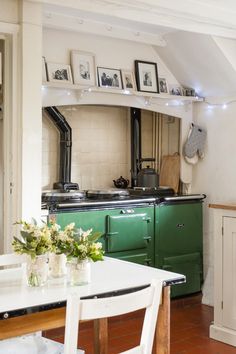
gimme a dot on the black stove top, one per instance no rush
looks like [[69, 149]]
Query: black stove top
[[104, 194], [132, 197], [56, 200]]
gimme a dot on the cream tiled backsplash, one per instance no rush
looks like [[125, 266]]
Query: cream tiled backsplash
[[100, 146]]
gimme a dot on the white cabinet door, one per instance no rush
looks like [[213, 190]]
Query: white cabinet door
[[229, 272]]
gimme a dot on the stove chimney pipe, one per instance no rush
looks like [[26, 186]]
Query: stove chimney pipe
[[65, 149]]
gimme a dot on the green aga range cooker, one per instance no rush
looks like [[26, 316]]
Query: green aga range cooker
[[154, 228], [127, 223]]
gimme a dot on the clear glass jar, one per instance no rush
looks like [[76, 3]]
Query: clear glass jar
[[78, 271], [37, 270], [57, 265]]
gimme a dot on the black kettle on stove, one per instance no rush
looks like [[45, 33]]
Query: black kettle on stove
[[121, 182], [147, 177]]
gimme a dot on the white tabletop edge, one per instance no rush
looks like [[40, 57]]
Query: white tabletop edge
[[109, 275]]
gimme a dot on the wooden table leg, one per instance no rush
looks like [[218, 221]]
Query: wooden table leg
[[162, 337], [101, 336]]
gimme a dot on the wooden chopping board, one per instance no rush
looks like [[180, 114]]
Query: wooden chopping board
[[170, 171]]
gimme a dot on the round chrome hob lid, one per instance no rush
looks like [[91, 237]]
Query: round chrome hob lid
[[107, 193], [61, 195]]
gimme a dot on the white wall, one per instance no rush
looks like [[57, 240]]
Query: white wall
[[110, 53], [215, 175], [202, 62], [9, 11]]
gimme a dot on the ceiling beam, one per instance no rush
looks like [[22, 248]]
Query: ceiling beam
[[213, 17], [79, 24]]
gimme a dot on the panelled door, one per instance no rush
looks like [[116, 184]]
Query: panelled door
[[229, 272], [127, 231]]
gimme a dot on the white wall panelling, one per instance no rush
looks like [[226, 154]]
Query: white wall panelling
[[224, 325], [31, 33], [9, 34]]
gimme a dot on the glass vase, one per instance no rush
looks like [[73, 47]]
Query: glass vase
[[57, 265], [79, 271], [37, 270]]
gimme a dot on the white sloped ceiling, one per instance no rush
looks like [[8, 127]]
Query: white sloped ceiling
[[198, 61]]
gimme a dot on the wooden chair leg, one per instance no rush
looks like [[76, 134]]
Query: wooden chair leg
[[162, 337], [101, 336]]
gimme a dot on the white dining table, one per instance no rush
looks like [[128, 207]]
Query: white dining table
[[26, 309]]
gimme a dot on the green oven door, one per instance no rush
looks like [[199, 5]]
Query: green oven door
[[178, 243], [127, 232]]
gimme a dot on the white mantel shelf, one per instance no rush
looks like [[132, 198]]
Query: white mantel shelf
[[57, 94]]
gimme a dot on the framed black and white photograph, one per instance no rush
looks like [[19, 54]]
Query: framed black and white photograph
[[163, 87], [175, 90], [59, 73], [109, 78], [187, 91], [146, 76], [128, 80], [83, 68], [44, 72]]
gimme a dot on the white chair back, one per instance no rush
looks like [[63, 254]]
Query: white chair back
[[86, 309], [11, 259]]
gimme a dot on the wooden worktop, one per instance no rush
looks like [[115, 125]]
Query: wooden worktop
[[223, 206]]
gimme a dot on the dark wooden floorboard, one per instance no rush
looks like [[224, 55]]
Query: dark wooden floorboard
[[190, 321]]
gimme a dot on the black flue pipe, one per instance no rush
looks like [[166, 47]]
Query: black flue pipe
[[65, 149], [136, 153]]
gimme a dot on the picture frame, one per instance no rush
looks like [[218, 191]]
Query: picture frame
[[188, 91], [44, 70], [59, 73], [109, 78], [83, 68], [175, 89], [146, 76], [128, 80], [163, 87]]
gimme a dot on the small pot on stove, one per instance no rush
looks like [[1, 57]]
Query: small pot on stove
[[121, 182]]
